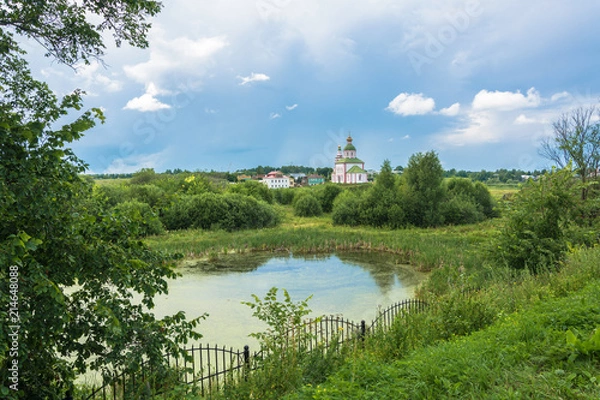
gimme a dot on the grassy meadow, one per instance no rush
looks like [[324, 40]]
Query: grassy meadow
[[425, 249], [491, 332]]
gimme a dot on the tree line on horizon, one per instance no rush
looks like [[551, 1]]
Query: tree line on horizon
[[499, 176]]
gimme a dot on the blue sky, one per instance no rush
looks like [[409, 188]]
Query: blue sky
[[234, 84]]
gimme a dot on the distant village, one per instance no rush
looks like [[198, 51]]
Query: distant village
[[348, 168]]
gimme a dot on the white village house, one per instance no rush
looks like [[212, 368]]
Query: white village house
[[276, 180]]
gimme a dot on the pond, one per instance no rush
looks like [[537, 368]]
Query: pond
[[353, 285]]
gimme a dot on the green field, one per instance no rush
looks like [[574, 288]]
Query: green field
[[491, 331]]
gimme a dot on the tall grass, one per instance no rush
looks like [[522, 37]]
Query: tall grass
[[423, 248], [490, 332], [506, 341]]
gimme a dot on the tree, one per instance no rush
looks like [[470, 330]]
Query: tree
[[576, 139], [424, 175], [325, 172], [381, 206], [327, 194], [68, 270], [539, 218], [307, 205], [68, 30], [385, 179]]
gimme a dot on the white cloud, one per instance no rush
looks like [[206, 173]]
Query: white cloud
[[498, 117], [181, 55], [210, 110], [405, 137], [480, 128], [274, 115], [135, 162], [147, 102], [560, 96], [254, 77], [292, 107], [411, 104], [451, 111], [504, 101], [94, 78], [522, 119]]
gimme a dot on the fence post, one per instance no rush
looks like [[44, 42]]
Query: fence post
[[246, 361], [363, 330]]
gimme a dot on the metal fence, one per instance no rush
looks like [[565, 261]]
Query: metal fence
[[210, 367]]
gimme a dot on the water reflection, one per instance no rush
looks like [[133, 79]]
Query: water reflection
[[351, 284]]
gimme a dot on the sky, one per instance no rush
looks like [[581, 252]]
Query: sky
[[228, 85]]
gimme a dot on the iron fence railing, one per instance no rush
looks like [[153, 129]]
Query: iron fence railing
[[210, 367]]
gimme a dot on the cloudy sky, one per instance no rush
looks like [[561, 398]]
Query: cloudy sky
[[234, 84]]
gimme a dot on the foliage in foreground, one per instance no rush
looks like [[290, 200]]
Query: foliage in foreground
[[286, 361], [543, 220], [68, 268]]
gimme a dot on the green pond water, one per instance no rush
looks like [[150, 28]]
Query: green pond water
[[353, 285]]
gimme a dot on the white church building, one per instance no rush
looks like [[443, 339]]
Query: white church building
[[348, 168]]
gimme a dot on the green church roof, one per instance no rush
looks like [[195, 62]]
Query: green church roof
[[349, 146], [348, 160], [356, 170]]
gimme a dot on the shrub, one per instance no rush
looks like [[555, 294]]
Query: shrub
[[230, 211], [196, 184], [144, 176], [539, 217], [150, 194], [144, 221], [347, 209], [255, 189], [327, 194], [176, 216], [246, 212], [284, 196], [461, 209], [476, 192], [307, 205], [111, 195]]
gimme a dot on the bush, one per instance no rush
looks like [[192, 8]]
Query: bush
[[461, 209], [246, 212], [230, 211], [346, 209], [539, 218], [256, 189], [177, 215], [284, 196], [327, 194], [150, 194], [196, 183], [307, 205], [111, 195], [144, 176], [476, 192], [144, 221]]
